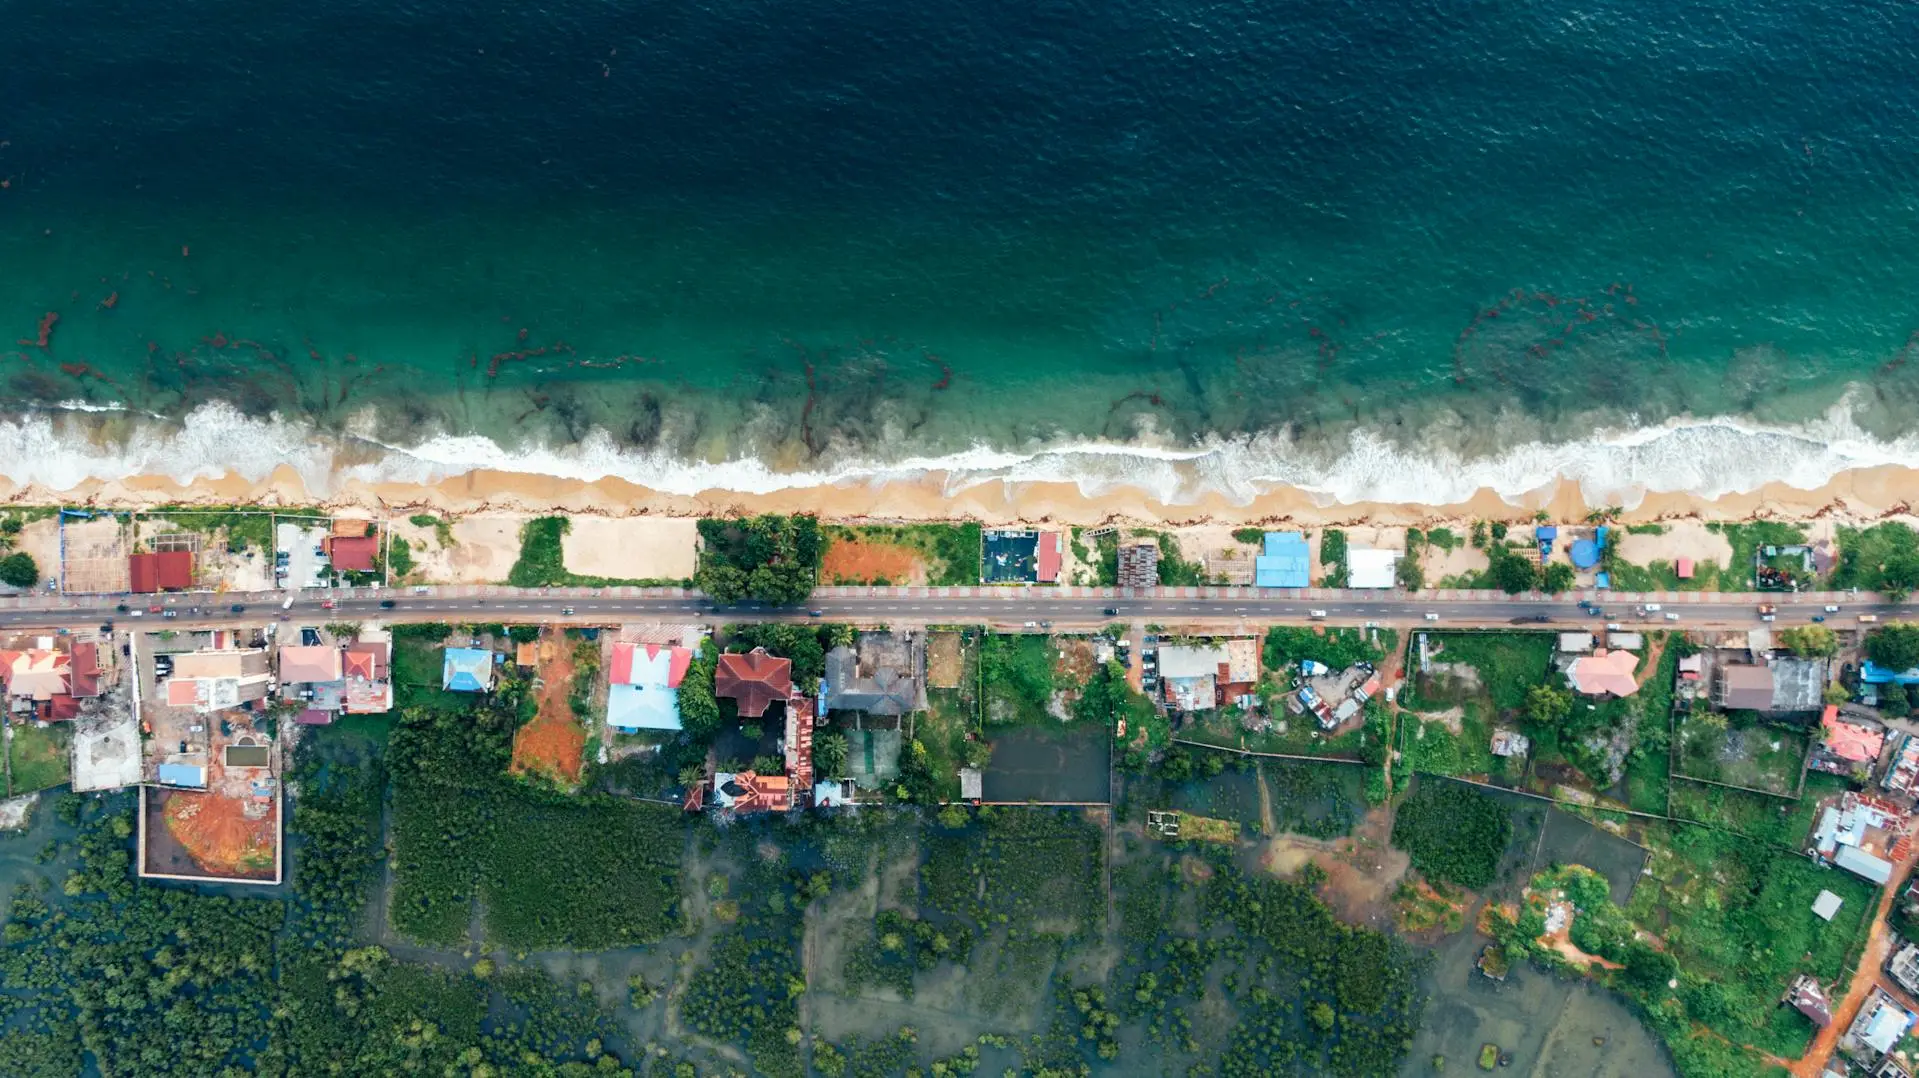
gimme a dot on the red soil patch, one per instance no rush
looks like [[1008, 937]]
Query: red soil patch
[[216, 833], [859, 561], [554, 743]]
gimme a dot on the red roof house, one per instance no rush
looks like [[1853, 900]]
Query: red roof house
[[1050, 553], [754, 679], [170, 570], [353, 553], [642, 664], [1850, 741], [1604, 673]]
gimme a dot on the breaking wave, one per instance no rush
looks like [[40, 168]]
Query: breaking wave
[[1703, 457]]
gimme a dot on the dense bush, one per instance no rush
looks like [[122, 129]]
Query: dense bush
[[770, 558], [1453, 832]]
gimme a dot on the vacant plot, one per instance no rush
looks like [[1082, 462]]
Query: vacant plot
[[1778, 820], [95, 555], [870, 561], [1764, 758], [38, 755], [632, 548], [553, 743], [943, 555], [945, 660], [1505, 666], [1018, 672], [206, 834]]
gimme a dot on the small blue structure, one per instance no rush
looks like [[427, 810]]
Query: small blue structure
[[1285, 564], [1599, 537], [1603, 581], [467, 670], [193, 775], [1544, 535], [1585, 553], [1874, 674]]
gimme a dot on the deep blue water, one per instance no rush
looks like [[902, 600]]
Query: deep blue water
[[1230, 217]]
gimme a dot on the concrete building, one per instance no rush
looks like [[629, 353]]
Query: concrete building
[[643, 686], [1370, 568], [1285, 563]]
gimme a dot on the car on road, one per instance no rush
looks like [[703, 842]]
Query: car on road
[[1431, 616], [1032, 625], [155, 608], [328, 604], [121, 609], [1831, 609], [1868, 617], [1315, 613], [171, 614], [238, 608], [814, 613], [566, 611], [1111, 611], [137, 614], [1817, 618], [1672, 615], [388, 604], [106, 628], [1650, 608]]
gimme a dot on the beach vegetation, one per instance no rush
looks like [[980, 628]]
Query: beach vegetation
[[1557, 579], [767, 558], [1332, 555], [1883, 557], [1251, 536], [948, 553], [240, 526], [1408, 573], [19, 570], [399, 558], [1453, 832]]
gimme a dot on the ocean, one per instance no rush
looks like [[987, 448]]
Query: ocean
[[1385, 251]]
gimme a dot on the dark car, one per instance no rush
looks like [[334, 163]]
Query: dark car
[[1111, 611], [106, 628], [121, 609], [238, 608], [387, 604]]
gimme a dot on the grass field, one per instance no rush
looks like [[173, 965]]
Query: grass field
[[40, 757]]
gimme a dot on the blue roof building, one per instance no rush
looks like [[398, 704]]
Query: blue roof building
[[193, 775], [642, 707], [1874, 674], [467, 670], [1584, 553], [1285, 564]]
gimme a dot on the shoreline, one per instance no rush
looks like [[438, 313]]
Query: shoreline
[[1863, 494]]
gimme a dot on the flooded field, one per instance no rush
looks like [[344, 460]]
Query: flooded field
[[1554, 1028], [1052, 763]]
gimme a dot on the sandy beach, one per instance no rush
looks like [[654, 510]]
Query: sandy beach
[[1864, 494]]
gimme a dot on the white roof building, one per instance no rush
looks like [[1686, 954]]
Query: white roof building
[[1370, 568]]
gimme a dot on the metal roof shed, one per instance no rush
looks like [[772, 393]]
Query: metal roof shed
[[1369, 568]]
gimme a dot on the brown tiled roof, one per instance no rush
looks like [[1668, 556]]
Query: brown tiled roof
[[754, 679], [168, 571]]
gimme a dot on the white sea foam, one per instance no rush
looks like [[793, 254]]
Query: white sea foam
[[1707, 457]]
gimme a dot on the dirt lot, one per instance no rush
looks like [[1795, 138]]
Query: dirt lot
[[1361, 870], [96, 555], [632, 548], [861, 561], [945, 660], [215, 833], [552, 744], [41, 540], [483, 551]]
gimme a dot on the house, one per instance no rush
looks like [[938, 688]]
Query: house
[[1879, 1026], [1286, 562], [1692, 667], [352, 553], [1744, 687], [45, 684], [1139, 565], [799, 742], [1902, 773], [170, 570], [1574, 643], [643, 686], [745, 792], [218, 677], [1604, 673], [1052, 551], [1798, 684], [313, 674], [1806, 997], [1370, 568], [365, 665], [1847, 746], [1195, 677], [467, 670], [1860, 833], [883, 674], [754, 680], [1904, 966]]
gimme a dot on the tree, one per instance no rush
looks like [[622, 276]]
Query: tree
[[19, 570], [1894, 646], [1895, 701], [699, 708], [1836, 694], [1547, 705], [1409, 573], [829, 755], [1513, 573], [1559, 578], [1810, 640]]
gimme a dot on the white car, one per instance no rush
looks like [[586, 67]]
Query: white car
[[1315, 613], [1430, 616], [1672, 616], [1832, 609], [1653, 608]]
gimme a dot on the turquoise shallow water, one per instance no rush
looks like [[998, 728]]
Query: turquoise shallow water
[[726, 232]]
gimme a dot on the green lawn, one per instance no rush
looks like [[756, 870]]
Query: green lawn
[[1509, 664], [40, 757], [1759, 757], [1777, 820]]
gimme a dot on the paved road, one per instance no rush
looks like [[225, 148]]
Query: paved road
[[1014, 607]]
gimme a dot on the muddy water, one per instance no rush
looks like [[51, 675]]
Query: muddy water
[[1549, 1024]]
